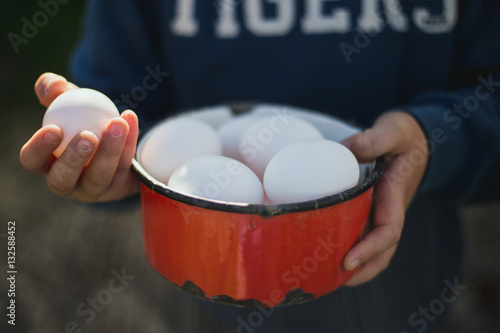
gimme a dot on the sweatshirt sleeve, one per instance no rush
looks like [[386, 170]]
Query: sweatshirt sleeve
[[117, 36], [462, 124]]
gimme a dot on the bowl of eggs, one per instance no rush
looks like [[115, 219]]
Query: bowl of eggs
[[253, 204], [250, 205]]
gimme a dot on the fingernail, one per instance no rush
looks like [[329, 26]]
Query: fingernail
[[51, 137], [47, 85], [85, 145], [354, 264], [116, 130]]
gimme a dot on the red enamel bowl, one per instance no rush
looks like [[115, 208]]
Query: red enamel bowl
[[246, 254]]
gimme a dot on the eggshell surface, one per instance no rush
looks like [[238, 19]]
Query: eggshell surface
[[330, 127], [267, 135], [77, 110], [214, 116], [218, 178], [269, 109], [310, 170], [175, 141], [230, 134]]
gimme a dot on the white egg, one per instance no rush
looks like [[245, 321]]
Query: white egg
[[230, 134], [266, 136], [218, 178], [309, 170], [214, 116], [330, 127], [269, 109], [77, 110], [175, 141]]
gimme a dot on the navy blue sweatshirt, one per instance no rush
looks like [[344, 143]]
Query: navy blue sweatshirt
[[354, 59], [438, 60]]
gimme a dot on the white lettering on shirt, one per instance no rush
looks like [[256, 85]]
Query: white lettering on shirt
[[315, 22], [185, 23], [226, 25], [375, 15], [280, 25], [371, 21], [440, 23]]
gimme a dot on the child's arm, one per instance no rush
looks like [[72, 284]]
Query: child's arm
[[108, 175]]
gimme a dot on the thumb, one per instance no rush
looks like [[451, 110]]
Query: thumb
[[386, 136], [49, 86]]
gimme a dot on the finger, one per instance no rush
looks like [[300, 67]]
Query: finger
[[372, 268], [66, 170], [49, 86], [386, 136], [403, 178], [388, 224], [36, 154], [101, 169], [131, 143], [125, 182]]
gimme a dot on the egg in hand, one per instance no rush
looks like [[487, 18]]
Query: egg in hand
[[78, 110]]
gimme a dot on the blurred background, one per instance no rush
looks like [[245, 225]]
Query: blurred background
[[68, 251]]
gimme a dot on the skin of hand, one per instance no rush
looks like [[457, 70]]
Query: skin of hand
[[107, 176], [399, 137]]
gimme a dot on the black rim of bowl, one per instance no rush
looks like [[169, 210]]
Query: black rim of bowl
[[262, 210]]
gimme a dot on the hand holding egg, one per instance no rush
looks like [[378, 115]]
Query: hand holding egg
[[108, 176], [78, 110]]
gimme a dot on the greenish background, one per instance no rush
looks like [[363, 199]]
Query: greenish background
[[48, 50]]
